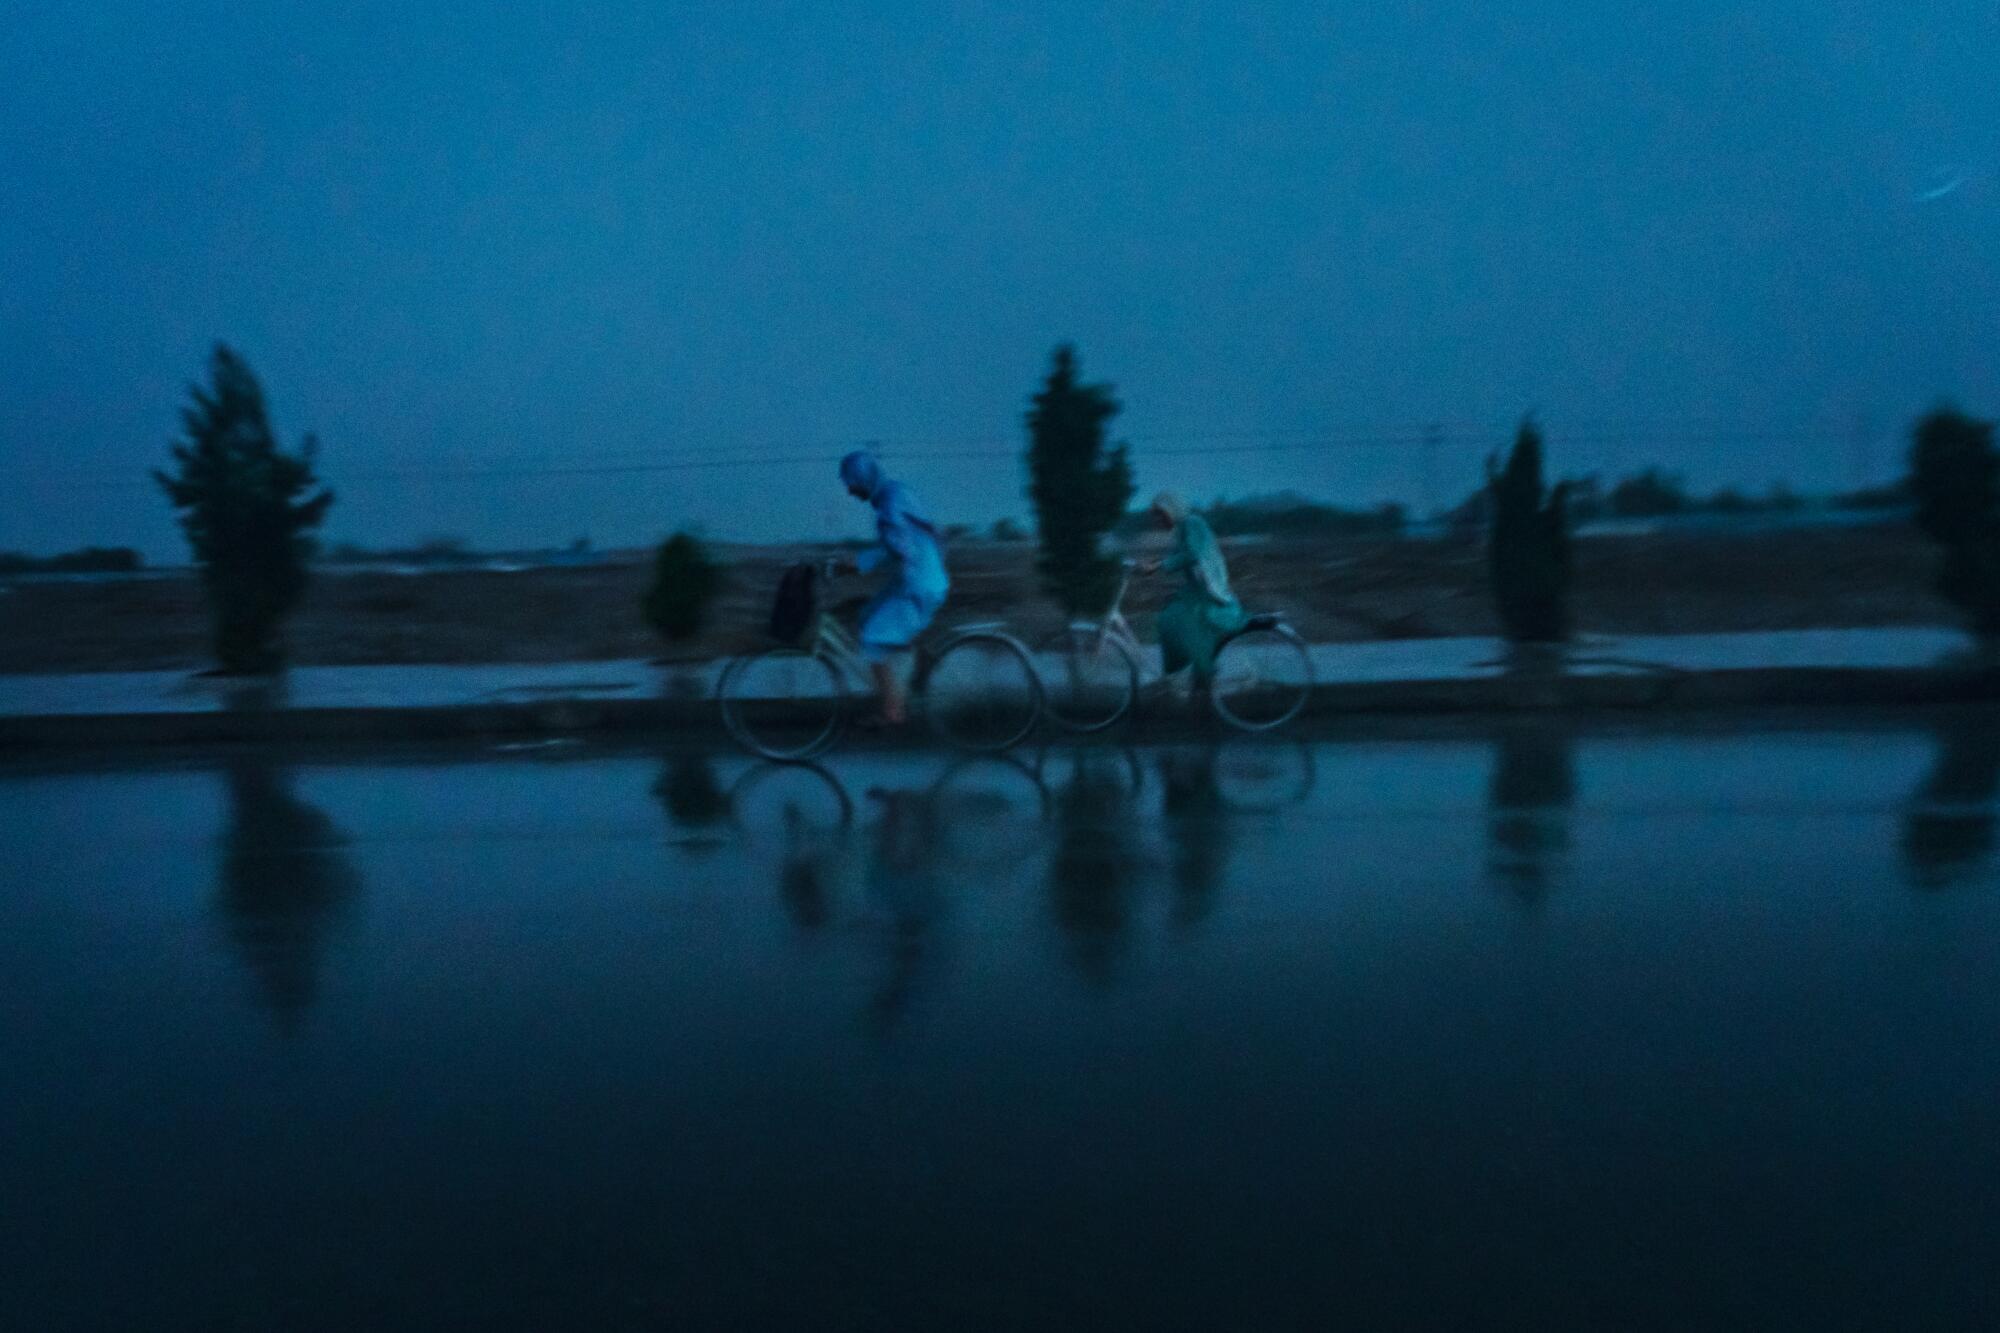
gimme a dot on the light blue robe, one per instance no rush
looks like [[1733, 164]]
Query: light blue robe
[[906, 540]]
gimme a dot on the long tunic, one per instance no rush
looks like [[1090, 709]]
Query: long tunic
[[1204, 613]]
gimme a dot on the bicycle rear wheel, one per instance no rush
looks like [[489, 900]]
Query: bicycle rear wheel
[[989, 810], [1263, 677], [982, 693], [785, 704], [1090, 678]]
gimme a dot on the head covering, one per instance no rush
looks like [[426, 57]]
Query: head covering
[[894, 504], [1198, 551], [860, 471]]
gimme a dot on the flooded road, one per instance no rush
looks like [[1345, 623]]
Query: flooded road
[[1512, 1026]]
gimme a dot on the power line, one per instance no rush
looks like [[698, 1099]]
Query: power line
[[1428, 440]]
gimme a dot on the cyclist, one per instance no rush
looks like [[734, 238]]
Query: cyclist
[[1204, 613], [908, 541]]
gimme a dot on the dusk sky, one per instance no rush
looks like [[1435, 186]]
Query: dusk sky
[[493, 254]]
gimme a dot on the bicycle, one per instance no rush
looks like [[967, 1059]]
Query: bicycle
[[1263, 672], [977, 685]]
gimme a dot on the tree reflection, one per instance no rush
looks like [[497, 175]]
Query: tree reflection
[[1198, 830], [1094, 862], [1533, 788], [282, 886], [694, 801], [1948, 830]]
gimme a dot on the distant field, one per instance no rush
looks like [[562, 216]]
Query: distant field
[[1657, 583]]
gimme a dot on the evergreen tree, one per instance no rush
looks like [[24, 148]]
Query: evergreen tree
[[247, 508], [1528, 552], [1955, 481], [1079, 488]]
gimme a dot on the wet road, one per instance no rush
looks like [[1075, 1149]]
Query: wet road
[[1516, 1026]]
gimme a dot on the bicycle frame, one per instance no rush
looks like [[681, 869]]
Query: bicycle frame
[[844, 651], [1114, 627], [1113, 624], [839, 650], [832, 638]]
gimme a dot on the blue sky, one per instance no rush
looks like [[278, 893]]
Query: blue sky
[[455, 241]]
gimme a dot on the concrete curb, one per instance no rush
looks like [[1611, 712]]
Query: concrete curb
[[698, 719]]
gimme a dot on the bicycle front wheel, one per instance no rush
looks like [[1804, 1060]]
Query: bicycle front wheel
[[1263, 677], [785, 704], [1090, 679], [982, 693]]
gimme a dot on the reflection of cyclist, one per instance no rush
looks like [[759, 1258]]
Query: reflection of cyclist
[[1197, 824], [904, 882], [900, 611]]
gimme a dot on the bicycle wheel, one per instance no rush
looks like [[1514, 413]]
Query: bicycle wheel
[[1064, 764], [785, 704], [1264, 777], [1262, 677], [981, 691], [1090, 678], [989, 809], [790, 802]]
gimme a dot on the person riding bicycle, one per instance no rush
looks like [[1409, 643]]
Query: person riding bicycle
[[1203, 615], [902, 610]]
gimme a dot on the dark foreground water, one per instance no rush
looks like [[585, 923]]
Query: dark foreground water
[[1519, 1028]]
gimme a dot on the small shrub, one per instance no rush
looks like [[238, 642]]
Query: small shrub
[[684, 583]]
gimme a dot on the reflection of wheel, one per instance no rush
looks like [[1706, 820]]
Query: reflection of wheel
[[987, 806], [981, 691], [785, 704], [789, 798], [1262, 676], [1058, 766], [1090, 678], [1264, 777]]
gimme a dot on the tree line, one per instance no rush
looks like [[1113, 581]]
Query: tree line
[[249, 509]]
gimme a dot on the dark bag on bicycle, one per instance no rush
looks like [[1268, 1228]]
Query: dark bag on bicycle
[[792, 609]]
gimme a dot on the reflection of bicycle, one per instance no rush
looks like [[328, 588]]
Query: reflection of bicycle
[[793, 798], [988, 809], [1263, 672], [977, 685], [1063, 764], [1265, 778]]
